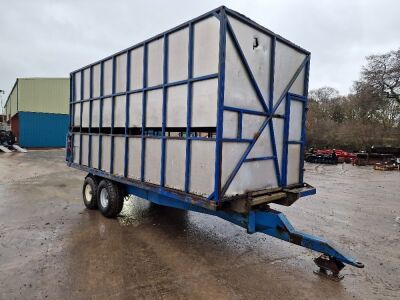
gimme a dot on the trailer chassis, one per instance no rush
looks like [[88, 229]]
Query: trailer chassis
[[257, 219]]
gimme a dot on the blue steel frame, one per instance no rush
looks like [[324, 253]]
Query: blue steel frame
[[221, 14], [269, 222]]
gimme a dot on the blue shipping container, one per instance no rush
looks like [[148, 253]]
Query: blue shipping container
[[42, 130]]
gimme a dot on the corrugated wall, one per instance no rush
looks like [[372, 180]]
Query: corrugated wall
[[48, 95], [40, 130]]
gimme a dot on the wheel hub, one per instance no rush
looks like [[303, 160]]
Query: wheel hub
[[88, 193], [104, 198]]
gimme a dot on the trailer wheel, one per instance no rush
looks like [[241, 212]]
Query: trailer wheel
[[110, 198], [89, 192]]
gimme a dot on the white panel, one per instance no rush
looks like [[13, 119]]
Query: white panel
[[206, 47], [105, 153], [251, 125], [107, 112], [175, 164], [154, 108], [134, 159], [204, 105], [107, 80], [95, 152], [298, 85], [119, 111], [152, 164], [258, 57], [76, 148], [155, 63], [177, 106], [96, 80], [86, 84], [136, 69], [231, 154], [120, 72], [77, 114], [96, 113], [287, 61], [281, 108], [238, 90], [278, 131], [85, 150], [178, 55], [77, 86], [135, 110], [85, 114], [253, 176], [296, 114], [202, 167], [231, 124], [119, 155], [263, 145], [293, 172]]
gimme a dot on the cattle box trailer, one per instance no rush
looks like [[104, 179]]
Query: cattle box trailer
[[208, 116]]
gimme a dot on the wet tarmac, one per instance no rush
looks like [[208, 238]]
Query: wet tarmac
[[52, 247]]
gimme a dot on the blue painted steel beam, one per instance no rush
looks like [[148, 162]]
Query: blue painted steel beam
[[220, 106], [188, 154], [259, 158], [127, 111], [285, 149], [144, 109], [164, 109]]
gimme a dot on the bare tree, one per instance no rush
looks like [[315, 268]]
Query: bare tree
[[382, 73]]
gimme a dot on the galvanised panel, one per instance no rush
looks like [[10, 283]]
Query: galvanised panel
[[85, 150], [96, 81], [105, 152], [42, 129], [155, 63], [231, 123], [263, 146], [287, 61], [231, 154], [94, 161], [204, 107], [135, 153], [76, 147], [238, 89], [47, 95], [177, 106], [152, 160], [206, 47], [293, 164], [135, 110], [178, 43], [175, 164], [256, 47], [119, 111], [95, 113], [120, 73], [107, 112], [119, 151], [86, 84], [108, 77], [296, 116], [154, 108], [202, 167], [85, 114], [136, 68]]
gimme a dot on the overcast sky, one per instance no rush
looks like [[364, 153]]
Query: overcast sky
[[50, 38]]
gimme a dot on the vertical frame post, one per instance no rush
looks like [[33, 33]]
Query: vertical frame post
[[80, 122], [144, 108], [90, 116], [164, 109], [114, 67], [189, 108], [101, 112], [303, 121], [220, 105], [285, 141], [127, 110], [271, 105]]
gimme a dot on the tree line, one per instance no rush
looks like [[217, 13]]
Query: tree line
[[368, 116]]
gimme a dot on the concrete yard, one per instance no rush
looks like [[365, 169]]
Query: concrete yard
[[52, 247]]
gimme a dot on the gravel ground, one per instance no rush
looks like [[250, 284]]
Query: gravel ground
[[52, 247]]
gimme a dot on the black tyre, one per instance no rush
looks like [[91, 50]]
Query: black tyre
[[110, 198], [89, 192]]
